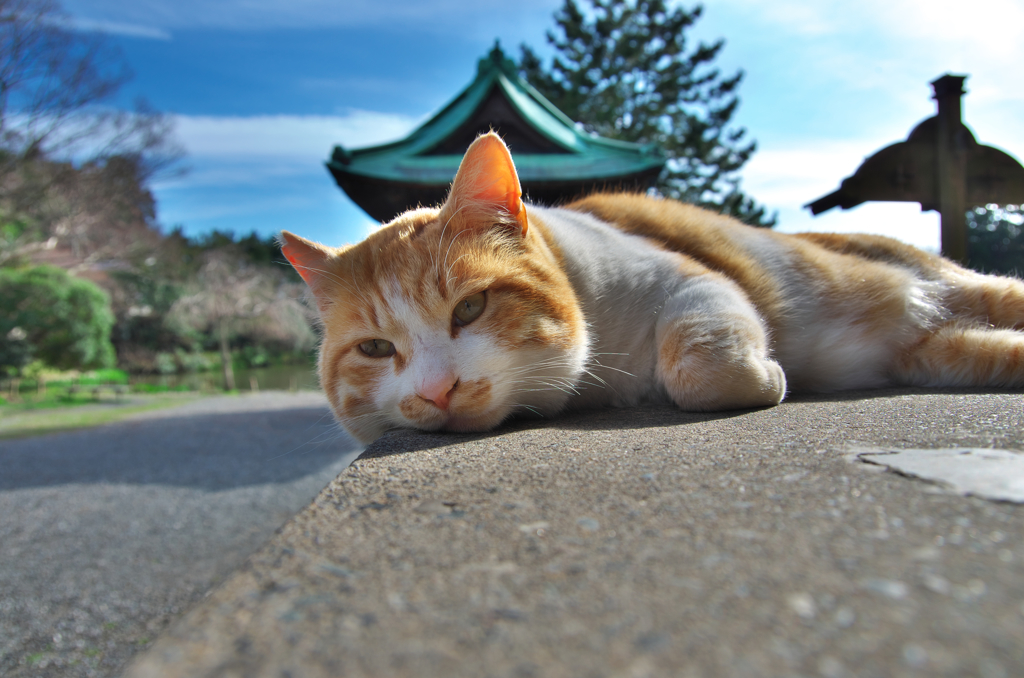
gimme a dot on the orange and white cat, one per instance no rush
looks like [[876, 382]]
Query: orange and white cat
[[460, 316]]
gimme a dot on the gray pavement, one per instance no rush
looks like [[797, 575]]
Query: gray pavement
[[638, 543], [108, 534]]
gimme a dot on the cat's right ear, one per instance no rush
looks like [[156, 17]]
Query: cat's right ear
[[487, 176], [310, 260]]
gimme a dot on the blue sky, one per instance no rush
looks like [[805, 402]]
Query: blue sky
[[262, 90]]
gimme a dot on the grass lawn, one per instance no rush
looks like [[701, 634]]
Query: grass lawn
[[20, 420]]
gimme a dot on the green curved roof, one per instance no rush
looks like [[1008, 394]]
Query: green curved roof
[[555, 159]]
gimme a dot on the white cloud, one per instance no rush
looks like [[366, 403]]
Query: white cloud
[[265, 173], [987, 24], [286, 136], [887, 43], [994, 27], [266, 151], [798, 173]]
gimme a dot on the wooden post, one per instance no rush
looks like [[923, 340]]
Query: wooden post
[[951, 157]]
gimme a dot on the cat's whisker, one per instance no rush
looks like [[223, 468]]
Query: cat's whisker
[[324, 272], [603, 383], [609, 367], [375, 414], [434, 260], [531, 366], [317, 442], [545, 379], [440, 241], [449, 251], [528, 407], [448, 272], [520, 372], [360, 294], [319, 421], [538, 374], [564, 388], [530, 390], [551, 362]]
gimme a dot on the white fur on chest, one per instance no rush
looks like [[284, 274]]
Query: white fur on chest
[[622, 282]]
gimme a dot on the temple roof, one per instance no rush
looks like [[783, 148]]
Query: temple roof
[[556, 160]]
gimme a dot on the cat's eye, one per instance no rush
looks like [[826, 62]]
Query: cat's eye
[[469, 309], [377, 348]]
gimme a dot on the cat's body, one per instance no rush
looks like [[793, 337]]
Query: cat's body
[[456, 318]]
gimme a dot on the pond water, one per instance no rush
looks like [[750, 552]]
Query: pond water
[[276, 378]]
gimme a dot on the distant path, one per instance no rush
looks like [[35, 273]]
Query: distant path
[[106, 534]]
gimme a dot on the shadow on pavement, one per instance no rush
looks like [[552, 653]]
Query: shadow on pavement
[[645, 416], [206, 451], [402, 442]]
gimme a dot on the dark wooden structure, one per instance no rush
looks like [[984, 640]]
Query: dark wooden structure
[[555, 159], [941, 166]]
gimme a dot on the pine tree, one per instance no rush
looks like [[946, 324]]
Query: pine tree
[[623, 69]]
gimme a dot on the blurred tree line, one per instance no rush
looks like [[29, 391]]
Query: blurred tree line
[[87, 279]]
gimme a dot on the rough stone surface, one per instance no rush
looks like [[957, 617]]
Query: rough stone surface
[[108, 534], [636, 543]]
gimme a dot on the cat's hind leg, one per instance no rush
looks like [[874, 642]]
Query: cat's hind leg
[[713, 349], [982, 341], [987, 299], [962, 356]]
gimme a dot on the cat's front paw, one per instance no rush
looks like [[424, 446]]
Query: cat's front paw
[[773, 386], [706, 367]]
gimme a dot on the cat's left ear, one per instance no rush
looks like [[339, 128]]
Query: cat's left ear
[[488, 175], [311, 261]]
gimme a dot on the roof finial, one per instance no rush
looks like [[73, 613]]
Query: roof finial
[[496, 59]]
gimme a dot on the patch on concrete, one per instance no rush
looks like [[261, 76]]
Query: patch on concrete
[[986, 473]]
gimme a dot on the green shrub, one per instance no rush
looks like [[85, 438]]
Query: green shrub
[[63, 321]]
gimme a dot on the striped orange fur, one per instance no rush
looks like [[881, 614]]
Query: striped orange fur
[[460, 316]]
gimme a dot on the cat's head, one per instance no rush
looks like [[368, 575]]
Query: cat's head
[[448, 318]]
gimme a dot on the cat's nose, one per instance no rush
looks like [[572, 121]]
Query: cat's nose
[[439, 392]]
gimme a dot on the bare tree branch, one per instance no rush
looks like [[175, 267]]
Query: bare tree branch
[[54, 84], [231, 296]]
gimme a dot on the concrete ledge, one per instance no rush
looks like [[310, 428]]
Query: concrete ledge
[[637, 542]]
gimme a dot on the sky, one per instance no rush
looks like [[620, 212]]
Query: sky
[[262, 90]]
